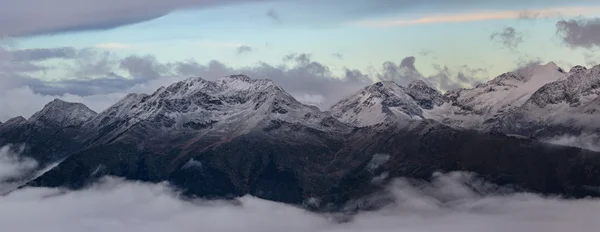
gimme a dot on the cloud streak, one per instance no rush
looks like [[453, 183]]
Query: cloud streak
[[479, 16]]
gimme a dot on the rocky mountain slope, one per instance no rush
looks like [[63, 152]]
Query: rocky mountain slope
[[237, 136]]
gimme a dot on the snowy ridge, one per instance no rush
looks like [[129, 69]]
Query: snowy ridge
[[238, 104], [573, 101], [519, 102], [471, 107], [234, 104]]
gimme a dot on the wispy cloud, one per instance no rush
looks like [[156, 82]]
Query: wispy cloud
[[481, 16]]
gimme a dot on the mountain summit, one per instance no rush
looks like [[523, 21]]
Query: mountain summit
[[62, 114]]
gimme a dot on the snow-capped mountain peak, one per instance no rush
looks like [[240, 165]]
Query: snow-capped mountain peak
[[232, 105], [499, 95], [581, 86], [425, 96], [376, 103], [63, 114]]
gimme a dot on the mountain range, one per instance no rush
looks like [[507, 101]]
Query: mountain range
[[238, 135]]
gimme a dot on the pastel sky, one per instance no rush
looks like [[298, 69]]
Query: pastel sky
[[475, 38]]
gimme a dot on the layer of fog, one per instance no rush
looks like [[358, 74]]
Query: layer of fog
[[14, 167], [585, 141], [451, 202]]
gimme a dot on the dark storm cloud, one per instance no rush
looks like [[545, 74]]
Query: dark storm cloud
[[508, 37], [579, 33]]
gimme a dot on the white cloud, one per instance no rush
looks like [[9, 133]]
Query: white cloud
[[585, 141], [13, 167], [448, 204]]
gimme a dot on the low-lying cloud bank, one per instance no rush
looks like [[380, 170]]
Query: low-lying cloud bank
[[586, 141], [14, 167], [451, 202]]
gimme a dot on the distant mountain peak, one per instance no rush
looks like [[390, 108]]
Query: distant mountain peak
[[240, 77], [376, 103], [577, 69], [418, 84], [424, 95], [63, 114]]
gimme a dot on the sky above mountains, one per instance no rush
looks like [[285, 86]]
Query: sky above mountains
[[96, 51]]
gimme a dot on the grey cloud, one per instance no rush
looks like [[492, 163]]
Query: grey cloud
[[579, 33], [39, 54], [15, 61], [448, 79], [409, 62], [509, 37], [243, 49], [92, 63], [147, 67], [445, 79], [31, 17], [403, 74]]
